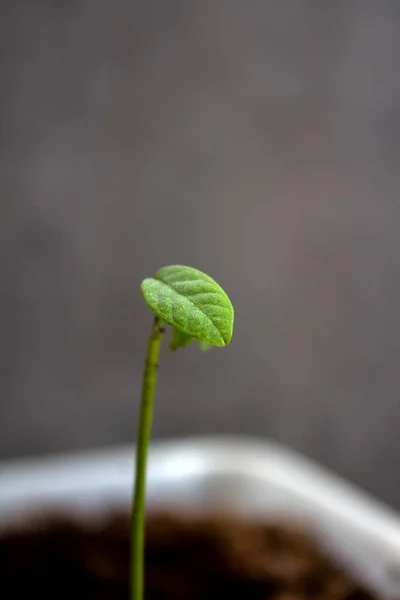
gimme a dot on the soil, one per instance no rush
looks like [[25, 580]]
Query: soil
[[187, 558]]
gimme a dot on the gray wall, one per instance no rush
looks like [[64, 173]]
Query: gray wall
[[258, 141]]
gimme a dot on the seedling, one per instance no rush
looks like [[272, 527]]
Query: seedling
[[196, 308]]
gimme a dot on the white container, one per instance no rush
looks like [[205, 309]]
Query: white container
[[247, 476]]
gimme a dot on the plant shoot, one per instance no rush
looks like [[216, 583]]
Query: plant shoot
[[196, 308]]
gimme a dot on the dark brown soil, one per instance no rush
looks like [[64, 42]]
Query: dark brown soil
[[187, 559]]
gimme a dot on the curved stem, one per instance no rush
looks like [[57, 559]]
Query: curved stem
[[142, 447]]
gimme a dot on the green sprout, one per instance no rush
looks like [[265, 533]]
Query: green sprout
[[196, 308]]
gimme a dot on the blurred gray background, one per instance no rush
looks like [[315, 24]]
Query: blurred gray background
[[258, 141]]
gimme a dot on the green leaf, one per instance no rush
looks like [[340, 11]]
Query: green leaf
[[179, 339], [191, 302], [204, 346]]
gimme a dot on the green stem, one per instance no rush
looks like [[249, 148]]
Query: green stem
[[143, 440]]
